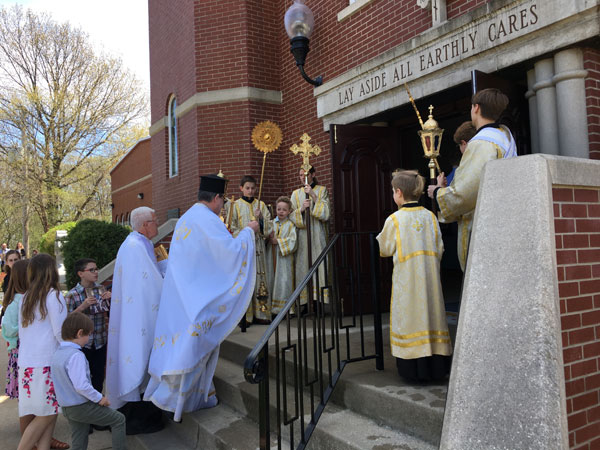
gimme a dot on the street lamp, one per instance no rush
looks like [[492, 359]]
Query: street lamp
[[299, 23]]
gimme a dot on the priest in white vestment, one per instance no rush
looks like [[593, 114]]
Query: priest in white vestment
[[208, 287], [137, 285]]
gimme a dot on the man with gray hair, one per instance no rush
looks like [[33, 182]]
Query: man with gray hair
[[137, 285]]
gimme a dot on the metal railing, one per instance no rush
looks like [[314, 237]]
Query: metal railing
[[299, 359]]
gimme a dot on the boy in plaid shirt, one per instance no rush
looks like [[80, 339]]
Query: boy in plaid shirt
[[78, 300]]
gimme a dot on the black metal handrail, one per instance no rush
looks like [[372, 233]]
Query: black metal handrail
[[308, 365]]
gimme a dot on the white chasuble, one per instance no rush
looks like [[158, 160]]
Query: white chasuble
[[282, 256], [418, 326], [243, 213], [209, 284], [457, 201], [319, 222], [137, 285]]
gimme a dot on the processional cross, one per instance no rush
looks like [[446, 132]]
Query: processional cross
[[305, 150]]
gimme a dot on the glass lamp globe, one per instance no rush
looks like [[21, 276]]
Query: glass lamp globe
[[299, 20]]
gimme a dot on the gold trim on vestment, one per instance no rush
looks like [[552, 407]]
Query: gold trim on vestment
[[419, 333], [422, 342], [399, 241]]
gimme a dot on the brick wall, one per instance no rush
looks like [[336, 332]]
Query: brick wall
[[577, 224], [133, 167], [591, 62]]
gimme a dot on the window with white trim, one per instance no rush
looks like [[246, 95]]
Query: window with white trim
[[173, 145]]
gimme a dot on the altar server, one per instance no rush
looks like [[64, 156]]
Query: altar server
[[208, 287], [456, 202], [419, 335], [317, 204]]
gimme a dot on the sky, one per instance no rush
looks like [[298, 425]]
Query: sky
[[117, 27]]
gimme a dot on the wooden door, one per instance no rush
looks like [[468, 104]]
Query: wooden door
[[364, 158]]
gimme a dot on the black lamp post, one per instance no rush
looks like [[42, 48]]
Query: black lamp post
[[299, 23]]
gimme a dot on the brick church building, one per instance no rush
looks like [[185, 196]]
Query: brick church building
[[219, 67]]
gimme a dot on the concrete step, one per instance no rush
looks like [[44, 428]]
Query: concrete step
[[215, 428], [339, 428], [382, 396]]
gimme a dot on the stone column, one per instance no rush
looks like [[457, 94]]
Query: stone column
[[569, 80], [545, 95], [534, 130]]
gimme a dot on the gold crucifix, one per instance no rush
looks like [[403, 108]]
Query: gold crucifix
[[306, 151]]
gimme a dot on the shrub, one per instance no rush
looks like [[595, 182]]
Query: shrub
[[92, 239], [49, 237]]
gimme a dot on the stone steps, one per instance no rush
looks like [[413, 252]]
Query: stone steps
[[368, 409]]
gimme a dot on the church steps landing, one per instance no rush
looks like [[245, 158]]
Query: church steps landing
[[216, 428], [234, 392], [165, 439], [381, 396]]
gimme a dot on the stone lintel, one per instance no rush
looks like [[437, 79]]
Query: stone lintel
[[507, 387]]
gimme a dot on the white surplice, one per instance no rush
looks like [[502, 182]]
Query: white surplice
[[137, 285], [208, 287]]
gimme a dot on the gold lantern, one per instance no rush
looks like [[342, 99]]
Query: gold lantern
[[431, 140]]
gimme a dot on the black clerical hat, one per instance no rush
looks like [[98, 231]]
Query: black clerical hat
[[213, 183]]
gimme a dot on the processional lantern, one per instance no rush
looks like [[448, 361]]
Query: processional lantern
[[431, 139]]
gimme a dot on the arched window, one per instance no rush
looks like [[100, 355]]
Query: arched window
[[127, 220], [173, 147]]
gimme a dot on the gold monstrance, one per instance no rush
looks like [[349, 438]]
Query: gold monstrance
[[266, 137], [431, 139]]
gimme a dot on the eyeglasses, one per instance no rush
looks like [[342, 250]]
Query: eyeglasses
[[93, 270]]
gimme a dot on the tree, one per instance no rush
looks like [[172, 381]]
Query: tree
[[67, 115]]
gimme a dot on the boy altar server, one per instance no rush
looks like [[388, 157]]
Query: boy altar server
[[208, 287], [281, 254], [456, 203], [245, 210]]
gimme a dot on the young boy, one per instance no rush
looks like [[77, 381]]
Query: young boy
[[247, 209], [419, 335], [81, 404], [281, 254], [78, 301]]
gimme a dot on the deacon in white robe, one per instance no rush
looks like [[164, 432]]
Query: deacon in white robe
[[137, 285], [208, 287], [456, 203]]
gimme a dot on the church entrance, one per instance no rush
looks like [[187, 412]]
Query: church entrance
[[364, 155]]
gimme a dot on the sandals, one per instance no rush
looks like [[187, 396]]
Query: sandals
[[56, 444]]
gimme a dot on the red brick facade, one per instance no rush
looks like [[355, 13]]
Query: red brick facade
[[577, 225], [129, 178], [591, 62], [204, 46]]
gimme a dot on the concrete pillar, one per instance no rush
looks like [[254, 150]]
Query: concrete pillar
[[534, 130], [545, 95], [569, 80]]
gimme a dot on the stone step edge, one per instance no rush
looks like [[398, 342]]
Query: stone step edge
[[236, 393]]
